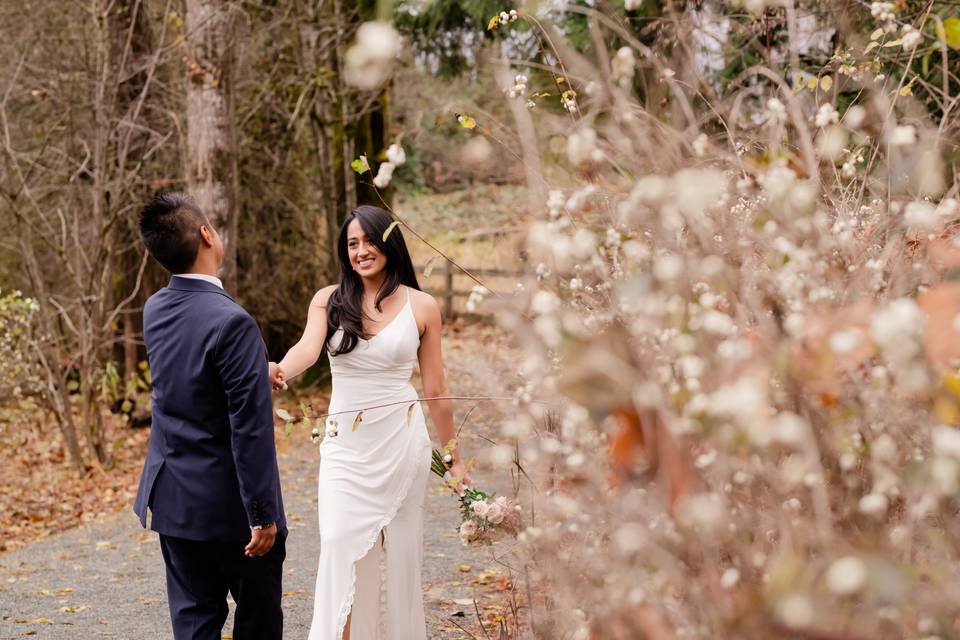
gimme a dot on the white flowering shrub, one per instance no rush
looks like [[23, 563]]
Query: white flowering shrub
[[741, 342], [741, 333], [20, 374]]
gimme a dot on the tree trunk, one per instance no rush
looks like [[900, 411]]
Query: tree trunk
[[211, 133], [328, 124], [131, 46], [51, 357], [130, 349], [372, 135], [59, 398]]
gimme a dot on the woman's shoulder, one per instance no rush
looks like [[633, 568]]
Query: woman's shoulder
[[423, 300], [322, 297]]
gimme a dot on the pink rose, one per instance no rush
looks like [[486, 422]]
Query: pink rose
[[467, 531]]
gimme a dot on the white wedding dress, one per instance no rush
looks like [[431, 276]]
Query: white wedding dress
[[372, 486]]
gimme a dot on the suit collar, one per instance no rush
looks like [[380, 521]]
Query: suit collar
[[192, 284]]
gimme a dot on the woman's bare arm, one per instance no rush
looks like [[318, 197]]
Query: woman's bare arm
[[305, 353], [433, 376]]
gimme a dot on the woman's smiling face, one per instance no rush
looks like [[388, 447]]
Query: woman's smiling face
[[365, 257]]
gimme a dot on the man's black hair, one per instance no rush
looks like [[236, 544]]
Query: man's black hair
[[170, 228]]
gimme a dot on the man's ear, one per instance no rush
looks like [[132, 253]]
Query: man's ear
[[206, 234]]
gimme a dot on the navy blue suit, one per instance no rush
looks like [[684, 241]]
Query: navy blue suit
[[211, 469]]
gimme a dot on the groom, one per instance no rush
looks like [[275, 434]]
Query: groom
[[210, 479]]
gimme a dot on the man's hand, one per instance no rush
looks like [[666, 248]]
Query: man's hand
[[261, 541], [278, 379]]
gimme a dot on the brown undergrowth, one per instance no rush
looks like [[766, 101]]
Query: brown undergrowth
[[41, 493]]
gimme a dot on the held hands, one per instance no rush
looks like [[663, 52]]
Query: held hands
[[278, 379], [261, 541]]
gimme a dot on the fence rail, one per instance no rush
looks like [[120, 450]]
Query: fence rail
[[448, 291]]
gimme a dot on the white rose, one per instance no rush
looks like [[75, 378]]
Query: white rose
[[480, 507], [495, 513]]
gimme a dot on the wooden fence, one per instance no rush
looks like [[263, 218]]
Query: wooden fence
[[449, 276]]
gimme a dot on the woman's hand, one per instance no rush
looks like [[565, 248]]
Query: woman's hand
[[278, 379], [459, 472]]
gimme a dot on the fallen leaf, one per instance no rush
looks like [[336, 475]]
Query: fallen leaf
[[74, 609], [466, 121], [393, 225]]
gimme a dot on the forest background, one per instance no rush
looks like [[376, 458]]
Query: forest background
[[725, 235]]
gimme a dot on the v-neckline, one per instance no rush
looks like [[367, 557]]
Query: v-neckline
[[392, 320]]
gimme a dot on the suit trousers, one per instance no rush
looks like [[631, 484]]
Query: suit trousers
[[201, 573]]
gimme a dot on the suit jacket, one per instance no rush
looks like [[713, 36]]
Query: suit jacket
[[211, 469]]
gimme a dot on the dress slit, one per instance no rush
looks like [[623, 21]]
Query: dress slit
[[347, 606]]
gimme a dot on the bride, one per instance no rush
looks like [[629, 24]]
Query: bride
[[374, 459]]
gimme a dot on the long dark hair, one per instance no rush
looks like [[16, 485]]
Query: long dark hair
[[345, 308]]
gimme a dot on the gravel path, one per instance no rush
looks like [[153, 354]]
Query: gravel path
[[105, 579]]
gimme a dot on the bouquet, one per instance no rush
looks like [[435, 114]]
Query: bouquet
[[486, 517]]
